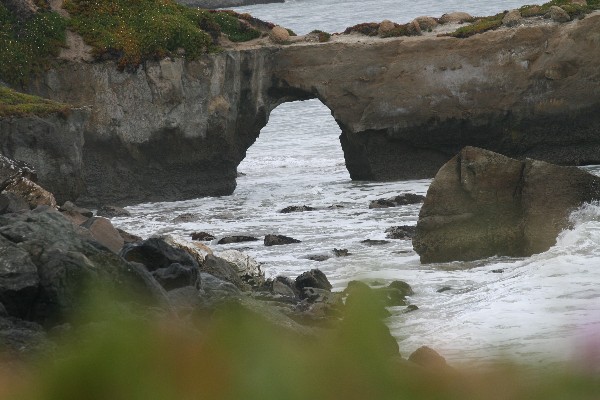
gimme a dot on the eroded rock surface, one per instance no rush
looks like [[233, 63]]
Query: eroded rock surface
[[483, 204]]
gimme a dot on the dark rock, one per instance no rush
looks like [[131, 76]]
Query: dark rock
[[403, 232], [444, 289], [221, 269], [185, 217], [371, 242], [341, 252], [482, 204], [215, 288], [69, 206], [319, 257], [403, 287], [19, 279], [105, 233], [400, 200], [4, 203], [497, 271], [410, 308], [112, 212], [176, 276], [129, 237], [237, 239], [202, 236], [314, 279], [20, 337], [278, 240], [155, 253], [284, 286], [428, 358], [292, 209]]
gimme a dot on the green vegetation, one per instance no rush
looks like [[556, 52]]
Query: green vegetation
[[235, 354], [26, 47], [323, 36], [479, 26], [13, 103]]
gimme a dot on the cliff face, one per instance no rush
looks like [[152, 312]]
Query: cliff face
[[175, 129], [53, 144]]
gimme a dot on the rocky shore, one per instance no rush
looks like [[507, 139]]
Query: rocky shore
[[211, 4]]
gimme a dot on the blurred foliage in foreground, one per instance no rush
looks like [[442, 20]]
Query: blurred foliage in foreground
[[234, 354]]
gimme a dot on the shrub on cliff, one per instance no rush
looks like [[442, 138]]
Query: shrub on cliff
[[13, 103], [26, 46]]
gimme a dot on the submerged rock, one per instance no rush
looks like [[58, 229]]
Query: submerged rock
[[291, 209], [401, 232], [112, 212], [482, 204], [202, 236], [278, 240], [400, 200], [236, 239]]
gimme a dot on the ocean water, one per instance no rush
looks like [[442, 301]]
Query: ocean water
[[544, 308]]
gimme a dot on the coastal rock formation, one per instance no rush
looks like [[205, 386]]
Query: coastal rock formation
[[176, 129], [483, 204], [53, 144]]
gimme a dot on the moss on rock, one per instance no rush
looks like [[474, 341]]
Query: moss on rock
[[15, 104]]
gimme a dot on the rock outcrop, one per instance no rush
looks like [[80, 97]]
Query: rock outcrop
[[482, 204], [175, 129], [211, 4]]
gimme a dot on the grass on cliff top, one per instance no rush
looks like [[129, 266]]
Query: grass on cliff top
[[15, 104], [133, 31], [495, 21], [26, 47]]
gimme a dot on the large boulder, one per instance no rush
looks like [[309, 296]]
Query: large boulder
[[482, 204]]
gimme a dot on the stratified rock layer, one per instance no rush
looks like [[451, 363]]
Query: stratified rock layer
[[175, 129], [483, 204]]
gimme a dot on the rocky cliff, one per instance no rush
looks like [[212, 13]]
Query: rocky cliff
[[176, 129]]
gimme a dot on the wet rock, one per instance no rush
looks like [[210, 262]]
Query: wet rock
[[248, 269], [278, 240], [156, 253], [71, 207], [318, 257], [497, 271], [105, 233], [428, 358], [222, 269], [483, 204], [400, 200], [112, 212], [129, 237], [202, 236], [236, 239], [371, 242], [403, 287], [291, 209], [18, 337], [403, 232], [512, 18], [185, 217], [444, 289], [314, 279], [176, 276], [410, 308], [341, 252], [559, 15], [456, 18]]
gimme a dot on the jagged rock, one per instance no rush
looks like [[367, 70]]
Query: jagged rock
[[559, 15], [456, 18], [156, 253], [404, 288], [202, 236], [105, 233], [33, 194], [482, 204], [112, 212], [22, 337], [69, 206], [129, 237], [400, 200], [236, 239], [428, 358], [248, 269], [222, 269], [278, 240], [341, 252], [291, 209], [185, 217], [426, 23], [403, 232], [279, 35], [312, 279], [176, 276]]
